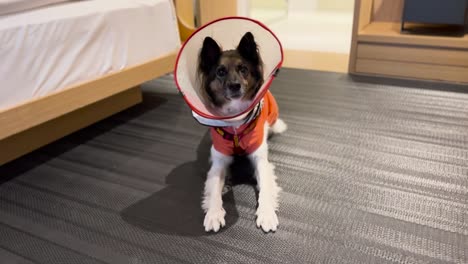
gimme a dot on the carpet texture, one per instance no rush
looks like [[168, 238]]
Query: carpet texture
[[370, 174]]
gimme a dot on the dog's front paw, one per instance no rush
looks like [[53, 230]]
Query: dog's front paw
[[214, 219], [267, 219]]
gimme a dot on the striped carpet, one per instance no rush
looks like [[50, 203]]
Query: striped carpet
[[370, 174]]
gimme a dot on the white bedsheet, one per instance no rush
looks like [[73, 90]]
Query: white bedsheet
[[14, 6], [48, 49]]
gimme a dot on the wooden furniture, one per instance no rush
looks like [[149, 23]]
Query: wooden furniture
[[379, 49], [185, 18], [209, 10], [34, 124], [214, 9], [38, 122]]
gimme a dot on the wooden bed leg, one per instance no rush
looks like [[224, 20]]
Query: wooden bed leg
[[24, 142]]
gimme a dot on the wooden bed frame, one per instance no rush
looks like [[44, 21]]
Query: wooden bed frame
[[31, 125]]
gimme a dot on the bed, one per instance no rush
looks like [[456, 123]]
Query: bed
[[67, 64]]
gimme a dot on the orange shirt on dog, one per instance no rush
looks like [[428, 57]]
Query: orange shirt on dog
[[247, 138]]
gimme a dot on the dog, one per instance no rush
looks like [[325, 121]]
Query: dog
[[230, 81]]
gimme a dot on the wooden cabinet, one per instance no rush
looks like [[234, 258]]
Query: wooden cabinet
[[379, 48]]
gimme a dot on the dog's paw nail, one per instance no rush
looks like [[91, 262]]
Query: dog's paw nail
[[226, 189], [267, 219], [214, 220]]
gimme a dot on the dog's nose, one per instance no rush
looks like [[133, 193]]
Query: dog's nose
[[235, 87]]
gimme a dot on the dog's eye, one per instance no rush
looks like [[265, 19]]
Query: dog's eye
[[244, 70], [221, 72]]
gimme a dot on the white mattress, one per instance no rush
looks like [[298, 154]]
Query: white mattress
[[48, 49]]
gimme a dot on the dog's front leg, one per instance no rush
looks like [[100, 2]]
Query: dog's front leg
[[212, 201], [268, 189]]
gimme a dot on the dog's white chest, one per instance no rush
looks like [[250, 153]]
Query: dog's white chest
[[235, 106]]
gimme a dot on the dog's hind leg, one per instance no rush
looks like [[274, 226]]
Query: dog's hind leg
[[212, 202], [268, 188], [278, 127]]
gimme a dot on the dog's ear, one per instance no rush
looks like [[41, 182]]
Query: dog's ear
[[209, 55], [248, 48]]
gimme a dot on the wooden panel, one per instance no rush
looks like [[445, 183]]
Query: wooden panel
[[413, 70], [31, 114], [387, 10], [451, 57], [185, 11], [365, 13], [389, 33], [362, 17], [214, 9], [185, 18], [36, 137], [312, 60]]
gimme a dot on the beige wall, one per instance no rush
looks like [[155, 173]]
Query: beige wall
[[273, 4], [336, 4], [321, 4]]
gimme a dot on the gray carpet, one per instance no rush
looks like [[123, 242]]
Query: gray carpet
[[371, 174]]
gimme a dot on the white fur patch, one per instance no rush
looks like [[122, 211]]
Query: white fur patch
[[235, 106], [268, 188], [279, 127], [212, 202]]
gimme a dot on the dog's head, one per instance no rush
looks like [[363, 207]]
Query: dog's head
[[230, 79]]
